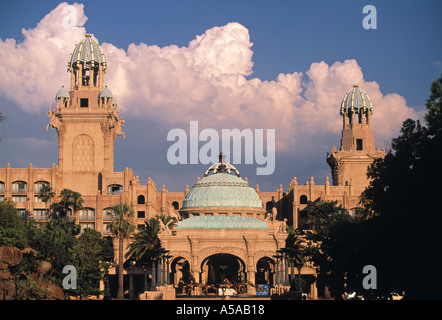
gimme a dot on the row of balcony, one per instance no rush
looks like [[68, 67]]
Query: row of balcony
[[86, 217], [86, 214], [21, 187]]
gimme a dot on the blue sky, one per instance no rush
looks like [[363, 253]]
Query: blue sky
[[402, 57]]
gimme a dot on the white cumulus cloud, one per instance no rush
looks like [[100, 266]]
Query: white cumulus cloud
[[31, 71], [209, 80]]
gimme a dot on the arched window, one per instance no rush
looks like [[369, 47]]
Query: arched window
[[303, 199], [114, 189], [141, 199], [176, 205], [87, 214], [107, 214], [107, 217], [265, 270], [19, 187], [38, 185]]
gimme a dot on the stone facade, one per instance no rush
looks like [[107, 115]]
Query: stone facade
[[87, 121]]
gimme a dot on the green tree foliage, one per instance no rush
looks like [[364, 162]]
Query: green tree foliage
[[299, 252], [53, 243], [70, 200], [28, 289], [404, 195], [398, 229], [336, 246], [12, 227], [46, 194], [58, 242], [322, 216], [146, 245], [89, 255], [121, 228]]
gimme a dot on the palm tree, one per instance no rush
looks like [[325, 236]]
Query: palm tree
[[46, 194], [146, 245], [65, 196], [297, 251], [76, 203], [71, 199], [121, 227]]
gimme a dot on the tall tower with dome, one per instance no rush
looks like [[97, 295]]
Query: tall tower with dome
[[349, 163], [86, 119]]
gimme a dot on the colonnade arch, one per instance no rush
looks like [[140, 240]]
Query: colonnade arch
[[265, 271], [222, 268], [180, 270]]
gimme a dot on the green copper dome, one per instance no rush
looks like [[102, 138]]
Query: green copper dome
[[87, 52], [217, 222], [356, 100], [62, 93], [105, 93], [222, 190]]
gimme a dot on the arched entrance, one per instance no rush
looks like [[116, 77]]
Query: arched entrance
[[265, 270], [223, 268], [180, 271]]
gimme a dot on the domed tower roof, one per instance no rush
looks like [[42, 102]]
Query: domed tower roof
[[105, 93], [356, 100], [62, 93], [88, 52], [222, 189]]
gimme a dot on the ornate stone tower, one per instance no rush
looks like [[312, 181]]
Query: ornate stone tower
[[357, 152], [86, 119]]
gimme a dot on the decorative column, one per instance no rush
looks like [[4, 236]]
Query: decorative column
[[73, 71], [286, 272], [159, 273], [313, 291], [100, 77], [277, 279], [163, 276], [327, 186], [163, 207], [154, 275], [145, 280], [344, 119], [30, 190], [352, 122], [80, 76], [91, 77], [292, 270], [281, 270], [312, 189], [131, 283], [168, 271]]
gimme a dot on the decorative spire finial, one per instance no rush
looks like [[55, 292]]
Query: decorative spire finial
[[221, 166]]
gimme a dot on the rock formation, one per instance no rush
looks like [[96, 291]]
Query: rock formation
[[11, 256]]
